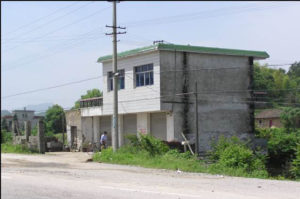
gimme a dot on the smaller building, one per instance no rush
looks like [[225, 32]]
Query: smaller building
[[73, 123], [22, 116], [268, 118]]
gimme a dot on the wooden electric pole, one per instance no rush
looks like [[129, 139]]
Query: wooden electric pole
[[63, 131], [196, 120], [115, 126]]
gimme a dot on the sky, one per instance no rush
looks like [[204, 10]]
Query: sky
[[44, 44]]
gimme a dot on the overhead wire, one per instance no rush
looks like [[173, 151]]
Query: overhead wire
[[70, 24], [53, 20], [36, 20]]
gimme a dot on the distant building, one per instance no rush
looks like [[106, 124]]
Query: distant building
[[22, 116], [268, 118]]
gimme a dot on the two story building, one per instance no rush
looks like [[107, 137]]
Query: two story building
[[22, 116], [157, 94]]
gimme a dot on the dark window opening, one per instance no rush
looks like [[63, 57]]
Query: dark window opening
[[144, 75], [121, 80]]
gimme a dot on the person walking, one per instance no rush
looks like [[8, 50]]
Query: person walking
[[103, 140]]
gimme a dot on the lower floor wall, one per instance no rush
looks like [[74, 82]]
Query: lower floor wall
[[213, 122], [155, 124]]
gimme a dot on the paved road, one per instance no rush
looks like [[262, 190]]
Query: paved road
[[70, 176]]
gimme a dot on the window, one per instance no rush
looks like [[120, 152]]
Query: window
[[121, 79], [144, 75]]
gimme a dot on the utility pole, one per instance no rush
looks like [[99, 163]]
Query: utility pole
[[63, 131], [115, 126], [196, 118]]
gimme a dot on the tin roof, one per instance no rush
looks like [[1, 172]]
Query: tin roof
[[270, 113], [188, 48]]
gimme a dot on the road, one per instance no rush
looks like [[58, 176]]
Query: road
[[69, 175]]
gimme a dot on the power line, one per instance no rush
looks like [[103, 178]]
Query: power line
[[53, 20], [207, 14], [51, 87], [203, 92], [62, 27], [32, 22], [53, 53]]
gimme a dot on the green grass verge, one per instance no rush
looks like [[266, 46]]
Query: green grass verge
[[10, 148], [171, 160]]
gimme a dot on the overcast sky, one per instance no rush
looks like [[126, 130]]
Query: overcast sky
[[51, 43]]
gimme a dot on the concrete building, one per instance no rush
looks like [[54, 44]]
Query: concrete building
[[156, 85], [22, 116]]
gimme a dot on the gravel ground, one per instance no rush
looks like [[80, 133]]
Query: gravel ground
[[71, 175]]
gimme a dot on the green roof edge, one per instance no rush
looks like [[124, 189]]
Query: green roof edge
[[188, 48]]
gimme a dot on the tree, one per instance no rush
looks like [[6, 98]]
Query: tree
[[290, 118], [294, 71], [89, 94], [53, 119]]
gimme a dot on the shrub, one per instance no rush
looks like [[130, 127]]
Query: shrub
[[290, 118], [232, 154], [295, 170], [153, 145], [282, 148], [148, 143], [34, 131], [6, 136]]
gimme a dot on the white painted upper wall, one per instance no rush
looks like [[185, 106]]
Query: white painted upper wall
[[131, 99]]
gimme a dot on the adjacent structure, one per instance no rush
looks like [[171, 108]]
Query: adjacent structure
[[157, 94], [268, 118]]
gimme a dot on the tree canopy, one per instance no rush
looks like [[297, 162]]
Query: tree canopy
[[281, 87], [54, 119]]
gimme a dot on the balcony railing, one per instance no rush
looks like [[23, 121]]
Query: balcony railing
[[91, 102]]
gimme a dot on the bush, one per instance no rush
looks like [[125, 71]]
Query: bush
[[295, 170], [232, 154], [282, 149], [290, 118], [6, 136], [34, 131], [148, 143]]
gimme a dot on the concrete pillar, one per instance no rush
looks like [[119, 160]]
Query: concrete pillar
[[41, 137], [121, 131], [69, 135], [143, 123], [27, 125], [13, 128], [170, 127], [96, 131]]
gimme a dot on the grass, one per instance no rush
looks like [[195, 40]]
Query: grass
[[171, 160], [10, 148]]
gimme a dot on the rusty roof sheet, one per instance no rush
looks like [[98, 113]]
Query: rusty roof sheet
[[270, 113]]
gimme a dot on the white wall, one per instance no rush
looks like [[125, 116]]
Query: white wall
[[131, 93]]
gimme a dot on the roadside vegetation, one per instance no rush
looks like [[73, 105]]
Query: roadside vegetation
[[8, 147], [229, 156]]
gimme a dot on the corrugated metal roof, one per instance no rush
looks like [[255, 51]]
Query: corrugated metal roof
[[188, 48], [270, 113]]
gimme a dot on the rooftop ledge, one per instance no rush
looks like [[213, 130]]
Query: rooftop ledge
[[188, 48]]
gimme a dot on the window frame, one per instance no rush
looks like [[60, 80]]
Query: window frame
[[110, 83], [145, 72]]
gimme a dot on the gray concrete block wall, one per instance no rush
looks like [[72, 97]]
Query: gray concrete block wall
[[220, 113]]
